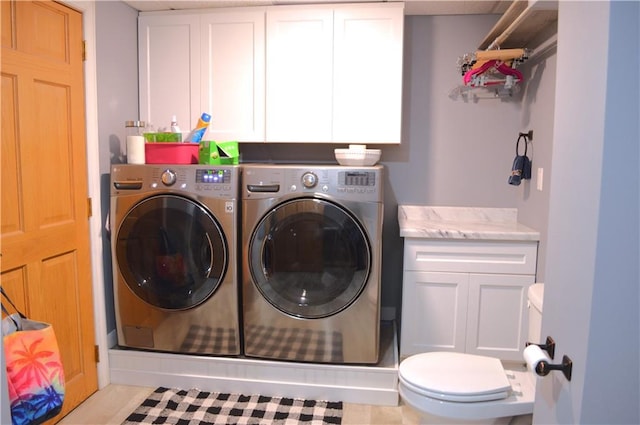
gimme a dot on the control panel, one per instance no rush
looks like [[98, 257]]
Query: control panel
[[201, 180], [357, 183]]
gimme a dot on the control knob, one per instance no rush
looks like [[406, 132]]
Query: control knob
[[168, 177], [309, 180]]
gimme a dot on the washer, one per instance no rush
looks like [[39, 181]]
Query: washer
[[312, 248], [174, 249]]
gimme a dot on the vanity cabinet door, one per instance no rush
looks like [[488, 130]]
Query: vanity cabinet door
[[434, 312], [169, 69], [233, 73], [299, 74], [497, 317]]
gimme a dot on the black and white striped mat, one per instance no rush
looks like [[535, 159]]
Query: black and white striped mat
[[191, 407]]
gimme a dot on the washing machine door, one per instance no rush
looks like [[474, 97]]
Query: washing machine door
[[171, 252], [309, 258]]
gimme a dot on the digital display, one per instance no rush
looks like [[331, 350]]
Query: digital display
[[357, 178], [213, 176]]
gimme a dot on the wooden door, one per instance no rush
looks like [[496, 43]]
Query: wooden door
[[46, 264]]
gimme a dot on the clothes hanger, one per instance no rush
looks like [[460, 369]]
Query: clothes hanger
[[490, 69], [492, 72]]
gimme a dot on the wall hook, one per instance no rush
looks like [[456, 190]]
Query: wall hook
[[549, 346], [528, 135], [543, 367]]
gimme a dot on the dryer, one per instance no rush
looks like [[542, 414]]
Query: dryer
[[312, 251], [174, 254]]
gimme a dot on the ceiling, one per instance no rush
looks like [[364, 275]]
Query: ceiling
[[412, 7]]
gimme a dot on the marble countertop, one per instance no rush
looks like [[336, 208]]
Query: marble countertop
[[418, 221]]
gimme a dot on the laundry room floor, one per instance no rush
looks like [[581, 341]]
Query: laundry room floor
[[114, 403]]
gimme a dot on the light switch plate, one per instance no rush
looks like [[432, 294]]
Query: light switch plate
[[539, 179]]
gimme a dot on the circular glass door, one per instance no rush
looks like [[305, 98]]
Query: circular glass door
[[309, 258], [171, 252]]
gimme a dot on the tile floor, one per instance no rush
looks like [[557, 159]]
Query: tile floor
[[114, 403]]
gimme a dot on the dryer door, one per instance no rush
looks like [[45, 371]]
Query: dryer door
[[171, 252], [309, 258]]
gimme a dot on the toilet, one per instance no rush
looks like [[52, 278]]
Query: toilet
[[448, 387]]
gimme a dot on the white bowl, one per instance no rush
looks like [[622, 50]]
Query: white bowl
[[358, 148], [357, 158]]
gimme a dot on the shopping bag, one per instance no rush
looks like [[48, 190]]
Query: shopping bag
[[35, 377]]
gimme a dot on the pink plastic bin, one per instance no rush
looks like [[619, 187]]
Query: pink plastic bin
[[171, 153]]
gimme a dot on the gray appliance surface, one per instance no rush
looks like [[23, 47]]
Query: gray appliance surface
[[311, 269], [174, 241]]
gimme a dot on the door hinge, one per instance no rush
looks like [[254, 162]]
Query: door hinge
[[97, 353], [84, 51], [89, 208]]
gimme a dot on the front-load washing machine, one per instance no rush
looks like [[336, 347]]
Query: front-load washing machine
[[174, 252], [312, 241]]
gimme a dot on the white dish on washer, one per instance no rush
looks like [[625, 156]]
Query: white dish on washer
[[357, 157]]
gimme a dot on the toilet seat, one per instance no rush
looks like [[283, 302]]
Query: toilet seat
[[465, 392], [455, 377]]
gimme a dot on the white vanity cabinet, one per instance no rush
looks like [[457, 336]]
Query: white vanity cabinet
[[334, 73], [466, 296], [204, 62]]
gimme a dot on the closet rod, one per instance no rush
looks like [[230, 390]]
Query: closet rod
[[544, 46], [495, 44]]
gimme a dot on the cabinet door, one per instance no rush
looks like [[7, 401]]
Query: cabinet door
[[299, 74], [497, 319], [169, 74], [232, 64], [434, 312], [368, 73]]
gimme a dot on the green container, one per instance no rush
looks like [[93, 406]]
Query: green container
[[163, 137], [218, 153]]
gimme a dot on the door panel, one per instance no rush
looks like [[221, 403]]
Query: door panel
[[46, 264], [299, 74], [309, 258]]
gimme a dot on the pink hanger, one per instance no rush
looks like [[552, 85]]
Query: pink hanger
[[499, 66]]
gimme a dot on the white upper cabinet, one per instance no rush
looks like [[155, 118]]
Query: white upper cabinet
[[232, 79], [299, 74], [367, 76], [169, 71], [302, 73], [209, 62], [334, 73]]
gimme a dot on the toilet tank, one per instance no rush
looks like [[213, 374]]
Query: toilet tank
[[535, 295]]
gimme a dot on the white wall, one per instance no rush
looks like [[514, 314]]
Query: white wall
[[592, 297], [117, 73]]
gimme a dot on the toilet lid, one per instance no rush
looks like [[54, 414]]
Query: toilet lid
[[455, 376]]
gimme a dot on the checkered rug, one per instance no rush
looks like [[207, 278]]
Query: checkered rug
[[182, 407]]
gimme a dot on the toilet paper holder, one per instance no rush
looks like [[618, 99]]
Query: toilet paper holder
[[549, 346], [543, 368]]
